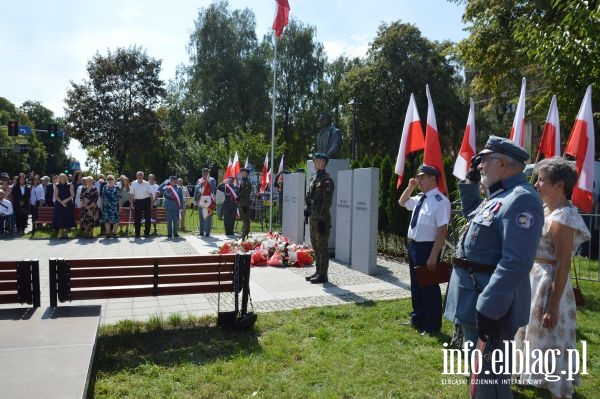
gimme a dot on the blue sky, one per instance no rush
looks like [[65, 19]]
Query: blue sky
[[47, 43]]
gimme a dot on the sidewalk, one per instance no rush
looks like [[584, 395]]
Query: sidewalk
[[271, 288], [47, 350]]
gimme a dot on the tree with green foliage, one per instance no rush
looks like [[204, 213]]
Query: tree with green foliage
[[226, 83], [401, 61], [116, 107], [385, 177]]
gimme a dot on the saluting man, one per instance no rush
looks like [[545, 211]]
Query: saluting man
[[173, 203], [489, 293], [318, 202], [426, 234], [245, 202]]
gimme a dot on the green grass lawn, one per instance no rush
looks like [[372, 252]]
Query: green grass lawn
[[348, 351]]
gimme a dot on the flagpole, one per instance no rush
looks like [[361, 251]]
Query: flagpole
[[272, 133]]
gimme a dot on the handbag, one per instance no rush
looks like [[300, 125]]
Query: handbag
[[579, 299]]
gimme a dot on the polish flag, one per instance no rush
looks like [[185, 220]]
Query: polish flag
[[264, 178], [280, 166], [228, 170], [433, 151], [550, 142], [247, 164], [280, 174], [281, 16], [581, 145], [517, 132], [412, 138], [236, 166], [467, 148]]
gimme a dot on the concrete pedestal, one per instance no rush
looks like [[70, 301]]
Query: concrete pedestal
[[365, 204], [343, 237], [292, 222]]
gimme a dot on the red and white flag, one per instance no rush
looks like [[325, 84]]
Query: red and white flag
[[228, 170], [264, 178], [236, 166], [550, 142], [207, 200], [412, 138], [281, 16], [517, 132], [433, 150], [280, 166], [467, 148], [581, 145]]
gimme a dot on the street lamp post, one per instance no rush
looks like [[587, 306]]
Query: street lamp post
[[355, 102]]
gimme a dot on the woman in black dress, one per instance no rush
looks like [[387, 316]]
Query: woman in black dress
[[64, 217]]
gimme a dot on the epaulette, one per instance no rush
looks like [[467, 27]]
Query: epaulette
[[438, 197]]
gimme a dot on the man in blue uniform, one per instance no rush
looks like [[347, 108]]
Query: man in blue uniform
[[426, 234], [489, 292], [173, 203]]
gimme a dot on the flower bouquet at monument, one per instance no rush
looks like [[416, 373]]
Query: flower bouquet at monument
[[273, 250]]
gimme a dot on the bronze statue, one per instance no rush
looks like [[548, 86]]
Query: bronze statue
[[329, 138]]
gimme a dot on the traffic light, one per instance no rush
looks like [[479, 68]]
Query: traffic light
[[52, 129], [13, 128], [66, 168]]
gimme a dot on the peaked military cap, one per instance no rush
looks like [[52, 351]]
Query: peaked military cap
[[505, 146], [428, 170], [247, 170], [172, 177], [320, 155]]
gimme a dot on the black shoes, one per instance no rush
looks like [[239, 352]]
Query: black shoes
[[307, 278], [319, 279]]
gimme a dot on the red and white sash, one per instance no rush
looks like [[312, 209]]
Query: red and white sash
[[174, 195]]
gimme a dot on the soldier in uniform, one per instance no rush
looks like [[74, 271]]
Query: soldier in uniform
[[489, 291], [329, 138], [318, 201], [426, 233], [245, 202]]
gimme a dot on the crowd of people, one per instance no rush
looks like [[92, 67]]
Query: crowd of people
[[510, 287], [100, 199]]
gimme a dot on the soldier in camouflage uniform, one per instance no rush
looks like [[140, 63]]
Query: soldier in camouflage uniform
[[318, 201], [244, 202]]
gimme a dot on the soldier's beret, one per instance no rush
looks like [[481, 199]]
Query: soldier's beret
[[245, 170], [320, 155], [428, 170], [505, 146]]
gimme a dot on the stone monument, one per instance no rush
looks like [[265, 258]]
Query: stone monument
[[343, 237], [292, 218], [365, 206]]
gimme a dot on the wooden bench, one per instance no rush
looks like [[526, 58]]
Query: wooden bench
[[103, 278], [20, 282], [157, 215], [45, 215]]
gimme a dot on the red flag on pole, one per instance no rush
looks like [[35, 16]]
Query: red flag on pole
[[581, 145], [550, 142], [228, 170], [517, 132], [467, 148], [433, 150], [281, 16], [412, 138], [236, 166], [264, 178]]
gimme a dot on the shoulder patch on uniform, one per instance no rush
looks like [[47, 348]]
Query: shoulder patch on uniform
[[524, 220], [438, 197]]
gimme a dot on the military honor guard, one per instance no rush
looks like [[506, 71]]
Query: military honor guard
[[489, 292], [317, 211]]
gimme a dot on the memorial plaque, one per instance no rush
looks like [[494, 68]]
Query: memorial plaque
[[365, 205], [343, 237], [292, 222]]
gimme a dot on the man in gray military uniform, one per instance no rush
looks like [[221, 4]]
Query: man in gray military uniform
[[329, 138], [489, 291]]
